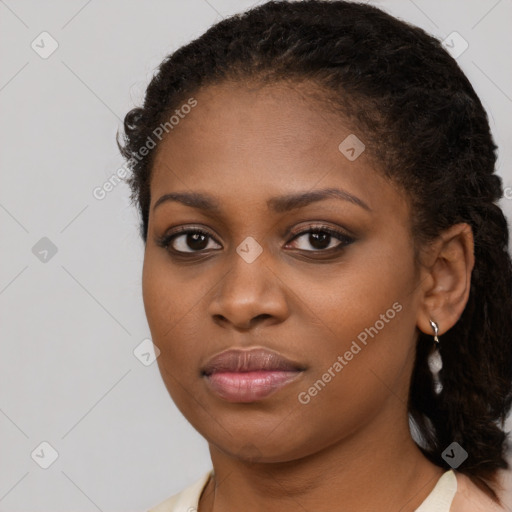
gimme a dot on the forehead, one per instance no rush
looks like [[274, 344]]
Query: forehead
[[273, 122], [252, 141]]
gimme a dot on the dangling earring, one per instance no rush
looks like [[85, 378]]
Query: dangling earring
[[434, 360]]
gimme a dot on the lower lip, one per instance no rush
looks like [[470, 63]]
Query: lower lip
[[248, 386]]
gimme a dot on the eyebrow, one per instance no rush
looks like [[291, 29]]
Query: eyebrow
[[278, 204]]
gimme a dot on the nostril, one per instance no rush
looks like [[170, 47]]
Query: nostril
[[262, 316]]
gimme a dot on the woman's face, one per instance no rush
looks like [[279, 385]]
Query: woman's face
[[343, 309]]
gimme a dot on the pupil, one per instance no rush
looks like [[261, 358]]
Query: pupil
[[196, 244], [317, 240]]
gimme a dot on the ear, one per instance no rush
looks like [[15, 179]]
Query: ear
[[446, 278]]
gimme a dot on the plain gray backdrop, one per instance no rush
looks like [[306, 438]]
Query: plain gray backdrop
[[70, 279]]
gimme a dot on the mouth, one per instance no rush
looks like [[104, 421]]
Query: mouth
[[249, 375]]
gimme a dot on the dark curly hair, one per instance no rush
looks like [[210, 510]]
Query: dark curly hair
[[428, 132]]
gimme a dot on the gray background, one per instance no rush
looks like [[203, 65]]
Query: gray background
[[69, 325]]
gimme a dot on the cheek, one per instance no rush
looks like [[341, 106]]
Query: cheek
[[367, 317], [158, 302], [167, 296], [172, 312], [169, 306], [359, 373], [352, 297]]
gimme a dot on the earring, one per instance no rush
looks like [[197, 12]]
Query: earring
[[434, 360], [436, 330]]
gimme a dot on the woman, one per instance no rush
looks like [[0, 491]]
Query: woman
[[326, 270]]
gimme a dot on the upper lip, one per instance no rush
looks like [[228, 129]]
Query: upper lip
[[238, 360]]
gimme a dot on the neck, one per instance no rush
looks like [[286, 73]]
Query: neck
[[375, 469]]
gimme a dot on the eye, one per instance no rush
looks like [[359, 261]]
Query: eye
[[322, 238], [186, 240], [193, 240]]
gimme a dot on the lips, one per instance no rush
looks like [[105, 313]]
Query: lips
[[236, 360], [249, 375]]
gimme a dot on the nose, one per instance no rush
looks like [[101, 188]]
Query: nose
[[249, 294]]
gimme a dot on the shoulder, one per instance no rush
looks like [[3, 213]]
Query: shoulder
[[469, 498], [186, 500]]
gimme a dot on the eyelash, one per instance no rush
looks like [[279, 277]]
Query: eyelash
[[165, 240]]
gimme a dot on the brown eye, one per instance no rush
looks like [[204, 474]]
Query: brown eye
[[187, 240], [322, 239]]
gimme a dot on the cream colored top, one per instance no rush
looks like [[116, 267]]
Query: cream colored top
[[454, 492]]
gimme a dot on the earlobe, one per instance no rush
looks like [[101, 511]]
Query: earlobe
[[447, 279]]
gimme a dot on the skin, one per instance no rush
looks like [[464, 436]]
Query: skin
[[350, 447]]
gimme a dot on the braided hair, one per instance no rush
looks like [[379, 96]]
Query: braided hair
[[427, 130]]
